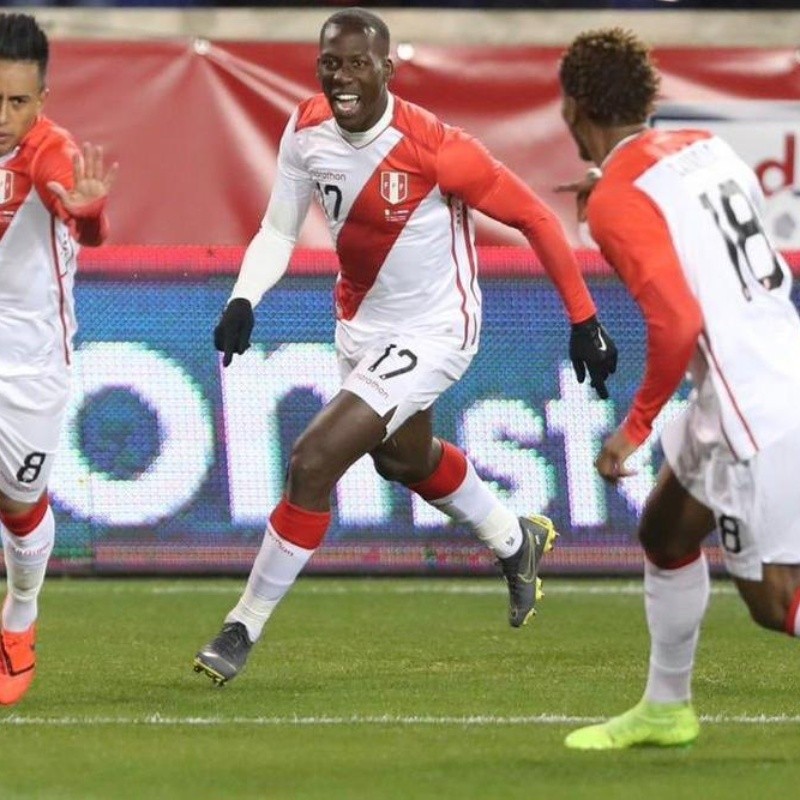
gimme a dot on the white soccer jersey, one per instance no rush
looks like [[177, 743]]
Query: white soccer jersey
[[397, 198], [406, 248], [37, 256], [677, 213]]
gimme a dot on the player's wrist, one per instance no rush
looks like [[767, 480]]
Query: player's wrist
[[91, 210]]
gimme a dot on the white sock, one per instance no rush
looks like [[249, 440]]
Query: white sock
[[26, 563], [475, 504], [675, 603], [275, 569]]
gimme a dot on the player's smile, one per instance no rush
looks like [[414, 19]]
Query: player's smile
[[345, 104]]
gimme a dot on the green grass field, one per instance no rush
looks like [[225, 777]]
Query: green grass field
[[385, 689]]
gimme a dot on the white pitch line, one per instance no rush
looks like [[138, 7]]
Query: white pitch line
[[473, 721], [368, 586]]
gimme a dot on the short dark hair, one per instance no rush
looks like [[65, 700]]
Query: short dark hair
[[611, 75], [360, 19], [21, 39]]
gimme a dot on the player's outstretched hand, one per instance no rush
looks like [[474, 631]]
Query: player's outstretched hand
[[592, 350], [582, 189], [232, 334], [91, 182]]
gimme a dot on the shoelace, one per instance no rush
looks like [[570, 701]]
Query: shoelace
[[237, 633], [18, 649]]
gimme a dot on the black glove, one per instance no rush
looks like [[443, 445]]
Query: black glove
[[592, 349], [232, 334]]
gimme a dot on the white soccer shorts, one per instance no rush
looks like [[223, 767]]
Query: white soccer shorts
[[31, 418], [756, 503], [405, 372]]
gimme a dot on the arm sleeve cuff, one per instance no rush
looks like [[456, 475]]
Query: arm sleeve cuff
[[265, 261]]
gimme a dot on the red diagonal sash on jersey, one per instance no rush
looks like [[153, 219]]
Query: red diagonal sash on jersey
[[377, 218]]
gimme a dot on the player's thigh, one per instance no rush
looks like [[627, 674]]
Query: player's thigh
[[673, 523], [31, 418], [342, 432]]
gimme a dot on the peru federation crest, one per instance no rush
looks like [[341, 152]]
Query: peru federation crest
[[394, 187], [6, 186]]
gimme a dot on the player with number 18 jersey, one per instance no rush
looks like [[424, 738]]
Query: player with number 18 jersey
[[678, 215]]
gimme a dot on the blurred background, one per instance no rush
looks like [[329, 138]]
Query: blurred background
[[170, 464]]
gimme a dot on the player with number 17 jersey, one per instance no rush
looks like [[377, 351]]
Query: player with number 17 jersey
[[397, 186], [398, 202]]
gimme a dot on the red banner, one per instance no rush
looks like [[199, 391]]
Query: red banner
[[195, 128]]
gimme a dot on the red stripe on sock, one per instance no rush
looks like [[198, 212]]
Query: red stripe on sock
[[298, 525], [23, 524], [677, 563], [446, 478], [791, 617]]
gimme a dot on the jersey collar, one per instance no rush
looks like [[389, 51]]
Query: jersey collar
[[362, 138]]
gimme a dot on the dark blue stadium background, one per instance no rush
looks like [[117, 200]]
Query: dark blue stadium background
[[118, 434]]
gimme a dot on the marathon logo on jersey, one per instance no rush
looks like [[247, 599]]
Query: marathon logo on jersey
[[6, 186], [65, 247], [394, 187]]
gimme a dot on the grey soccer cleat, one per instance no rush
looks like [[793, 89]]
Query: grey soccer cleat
[[224, 657], [521, 569]]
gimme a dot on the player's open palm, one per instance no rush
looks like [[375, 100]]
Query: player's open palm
[[91, 181]]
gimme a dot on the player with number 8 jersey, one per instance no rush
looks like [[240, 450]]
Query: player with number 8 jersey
[[397, 187], [678, 215], [52, 200]]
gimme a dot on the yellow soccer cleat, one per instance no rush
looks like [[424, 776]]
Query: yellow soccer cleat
[[646, 724]]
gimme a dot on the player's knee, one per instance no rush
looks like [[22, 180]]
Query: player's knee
[[659, 547], [394, 469], [650, 535], [387, 468], [310, 465], [664, 547]]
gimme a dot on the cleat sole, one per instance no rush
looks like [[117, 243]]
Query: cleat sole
[[531, 614], [217, 678]]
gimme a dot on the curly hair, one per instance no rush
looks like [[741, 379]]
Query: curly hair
[[611, 75], [21, 39]]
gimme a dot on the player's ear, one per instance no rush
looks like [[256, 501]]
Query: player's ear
[[41, 97], [569, 109], [388, 69]]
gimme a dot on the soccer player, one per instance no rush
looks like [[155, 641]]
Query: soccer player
[[396, 186], [52, 198], [677, 214]]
